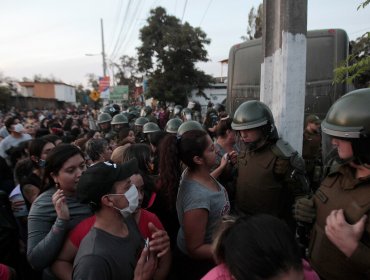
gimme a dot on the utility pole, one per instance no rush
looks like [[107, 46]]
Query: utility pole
[[283, 71], [103, 49]]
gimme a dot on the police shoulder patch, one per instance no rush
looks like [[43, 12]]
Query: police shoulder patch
[[283, 149]]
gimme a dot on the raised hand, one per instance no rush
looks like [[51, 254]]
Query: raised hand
[[160, 242], [60, 204], [146, 265], [344, 235]]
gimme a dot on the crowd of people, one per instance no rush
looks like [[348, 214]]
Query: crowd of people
[[164, 192]]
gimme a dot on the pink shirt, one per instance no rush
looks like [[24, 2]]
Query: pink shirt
[[221, 272]]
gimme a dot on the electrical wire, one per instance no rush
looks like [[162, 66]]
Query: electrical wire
[[127, 40], [205, 12], [114, 52], [116, 21], [183, 12]]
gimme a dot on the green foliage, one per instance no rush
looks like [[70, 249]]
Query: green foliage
[[82, 94], [356, 68], [38, 78], [5, 94], [255, 20], [128, 72], [168, 55], [93, 81], [363, 4]]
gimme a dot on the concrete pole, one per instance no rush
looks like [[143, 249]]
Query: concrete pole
[[103, 49], [283, 71]]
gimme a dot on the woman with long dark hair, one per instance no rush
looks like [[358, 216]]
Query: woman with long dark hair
[[201, 199], [57, 209]]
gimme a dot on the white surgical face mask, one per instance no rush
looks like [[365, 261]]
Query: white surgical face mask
[[18, 128], [132, 196]]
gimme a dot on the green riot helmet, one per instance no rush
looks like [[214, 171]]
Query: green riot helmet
[[177, 110], [147, 110], [141, 121], [252, 114], [186, 114], [103, 118], [112, 110], [119, 119], [189, 125], [150, 127], [173, 125], [349, 119]]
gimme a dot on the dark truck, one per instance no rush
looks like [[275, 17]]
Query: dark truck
[[326, 49]]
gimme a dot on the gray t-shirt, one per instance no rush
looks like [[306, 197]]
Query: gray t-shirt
[[105, 256], [11, 141], [193, 195], [3, 132], [46, 232]]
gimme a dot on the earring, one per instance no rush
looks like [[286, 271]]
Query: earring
[[57, 185]]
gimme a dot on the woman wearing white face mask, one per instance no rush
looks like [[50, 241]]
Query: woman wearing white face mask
[[159, 241], [114, 241]]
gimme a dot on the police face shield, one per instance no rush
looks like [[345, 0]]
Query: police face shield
[[187, 117], [142, 113], [191, 105], [176, 111], [329, 151]]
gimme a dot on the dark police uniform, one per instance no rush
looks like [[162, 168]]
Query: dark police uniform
[[267, 182], [341, 190]]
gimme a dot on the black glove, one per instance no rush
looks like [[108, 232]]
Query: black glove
[[304, 210]]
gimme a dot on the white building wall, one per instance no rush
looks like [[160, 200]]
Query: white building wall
[[65, 93], [216, 94]]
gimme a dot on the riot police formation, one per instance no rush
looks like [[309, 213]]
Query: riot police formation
[[339, 209], [270, 172]]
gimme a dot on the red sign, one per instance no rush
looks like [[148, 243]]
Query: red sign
[[104, 83]]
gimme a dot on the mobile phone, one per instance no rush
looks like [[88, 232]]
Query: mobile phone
[[147, 242], [147, 246]]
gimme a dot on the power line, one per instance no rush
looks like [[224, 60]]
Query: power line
[[133, 27], [129, 29], [183, 12], [116, 21], [121, 29], [204, 15]]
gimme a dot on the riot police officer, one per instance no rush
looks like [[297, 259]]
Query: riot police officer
[[119, 121], [340, 242], [176, 112], [147, 113], [270, 171], [173, 125], [103, 122], [139, 124]]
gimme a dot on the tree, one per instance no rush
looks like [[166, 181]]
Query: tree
[[255, 20], [51, 79], [93, 81], [128, 72], [168, 55], [356, 68], [5, 95]]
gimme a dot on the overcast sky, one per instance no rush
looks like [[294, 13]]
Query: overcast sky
[[51, 37]]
